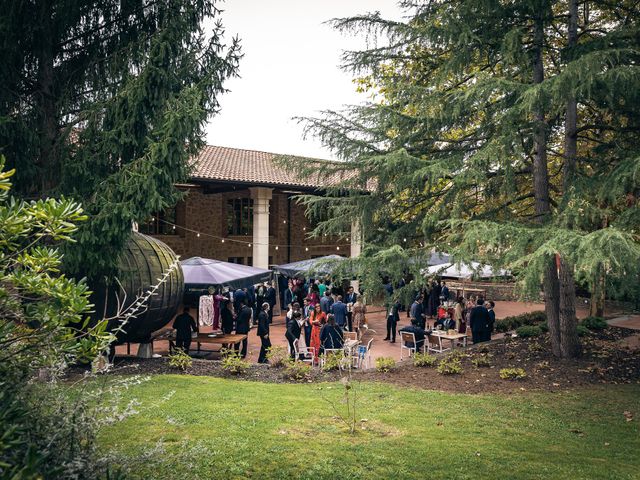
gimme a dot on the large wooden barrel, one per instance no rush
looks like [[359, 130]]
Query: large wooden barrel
[[144, 260]]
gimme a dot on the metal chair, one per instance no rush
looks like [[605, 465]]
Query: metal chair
[[434, 344], [407, 337], [304, 354], [332, 351], [363, 355], [351, 335]]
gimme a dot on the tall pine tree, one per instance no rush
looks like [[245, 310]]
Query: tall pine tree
[[500, 131], [105, 101]]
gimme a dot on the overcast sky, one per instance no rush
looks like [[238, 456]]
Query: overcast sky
[[290, 68]]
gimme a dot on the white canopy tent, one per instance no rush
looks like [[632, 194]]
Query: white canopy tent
[[464, 271]]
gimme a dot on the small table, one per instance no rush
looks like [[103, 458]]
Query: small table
[[451, 336], [223, 341]]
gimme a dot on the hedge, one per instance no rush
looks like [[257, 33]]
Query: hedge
[[507, 324]]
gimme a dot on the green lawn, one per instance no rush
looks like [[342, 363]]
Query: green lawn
[[215, 428]]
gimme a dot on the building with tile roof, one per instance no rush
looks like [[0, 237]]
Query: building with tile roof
[[240, 207]]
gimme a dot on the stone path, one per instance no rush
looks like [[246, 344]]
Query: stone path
[[628, 321]]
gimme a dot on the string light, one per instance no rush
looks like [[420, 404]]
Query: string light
[[306, 249], [244, 242]]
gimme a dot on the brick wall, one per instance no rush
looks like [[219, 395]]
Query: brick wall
[[206, 213]]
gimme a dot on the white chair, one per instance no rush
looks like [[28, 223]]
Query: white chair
[[434, 344], [351, 336], [407, 337], [332, 351], [304, 354], [362, 355]]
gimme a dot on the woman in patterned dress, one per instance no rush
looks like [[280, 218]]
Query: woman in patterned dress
[[317, 319], [358, 312]]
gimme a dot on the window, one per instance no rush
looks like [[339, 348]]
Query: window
[[240, 216], [160, 223], [239, 260]]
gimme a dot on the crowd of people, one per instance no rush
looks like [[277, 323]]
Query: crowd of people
[[319, 313]]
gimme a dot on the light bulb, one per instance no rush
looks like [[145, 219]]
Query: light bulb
[[306, 249], [276, 247], [223, 240], [198, 234]]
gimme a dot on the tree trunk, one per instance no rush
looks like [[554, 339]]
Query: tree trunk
[[596, 309], [551, 305], [541, 194], [46, 104], [569, 340]]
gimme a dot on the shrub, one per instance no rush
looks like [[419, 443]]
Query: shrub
[[277, 357], [511, 323], [595, 323], [483, 360], [582, 331], [513, 374], [544, 327], [297, 370], [424, 360], [332, 361], [180, 360], [450, 365], [526, 331], [233, 364], [385, 364]]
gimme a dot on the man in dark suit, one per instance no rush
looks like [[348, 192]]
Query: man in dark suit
[[331, 335], [294, 329], [479, 322], [270, 298], [243, 324], [339, 311], [350, 299], [184, 324], [416, 312], [393, 317], [289, 296], [326, 302], [419, 334], [492, 318], [263, 332]]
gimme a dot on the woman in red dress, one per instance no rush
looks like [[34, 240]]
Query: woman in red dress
[[317, 320]]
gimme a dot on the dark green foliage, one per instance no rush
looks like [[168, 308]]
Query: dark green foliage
[[105, 102], [544, 327], [42, 433], [511, 323], [594, 323], [526, 331], [583, 331], [463, 146]]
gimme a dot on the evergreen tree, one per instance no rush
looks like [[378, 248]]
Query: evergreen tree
[[105, 102], [502, 131]]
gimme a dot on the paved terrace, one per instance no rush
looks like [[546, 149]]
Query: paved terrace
[[377, 322]]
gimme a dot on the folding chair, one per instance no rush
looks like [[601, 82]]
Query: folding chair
[[332, 351], [407, 337], [351, 336], [304, 354], [434, 344], [363, 355]]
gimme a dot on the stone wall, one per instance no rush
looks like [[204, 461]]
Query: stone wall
[[206, 213]]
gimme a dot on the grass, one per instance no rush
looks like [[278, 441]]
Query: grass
[[214, 428]]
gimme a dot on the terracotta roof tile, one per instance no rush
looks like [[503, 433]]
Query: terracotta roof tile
[[251, 166]]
